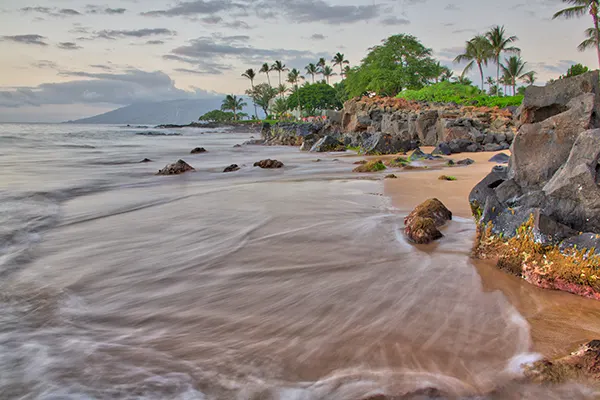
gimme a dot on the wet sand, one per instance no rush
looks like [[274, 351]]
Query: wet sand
[[559, 321]]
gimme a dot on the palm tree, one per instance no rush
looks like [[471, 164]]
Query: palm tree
[[340, 59], [265, 69], [500, 42], [327, 72], [477, 51], [529, 78], [250, 74], [279, 67], [282, 89], [233, 103], [346, 70], [463, 80], [321, 65], [579, 9], [514, 68], [590, 42], [293, 78], [447, 74], [312, 70]]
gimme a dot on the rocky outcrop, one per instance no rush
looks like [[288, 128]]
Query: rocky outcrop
[[326, 144], [548, 199], [421, 225], [176, 168], [269, 164]]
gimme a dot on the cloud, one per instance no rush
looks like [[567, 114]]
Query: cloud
[[317, 36], [54, 12], [468, 30], [452, 7], [92, 9], [44, 64], [100, 88], [26, 39], [320, 11], [69, 46], [449, 53], [198, 7], [391, 21], [155, 42], [560, 67], [136, 33]]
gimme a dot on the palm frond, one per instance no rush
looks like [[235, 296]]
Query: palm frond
[[571, 12]]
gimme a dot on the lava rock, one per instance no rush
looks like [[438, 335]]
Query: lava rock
[[198, 150], [268, 164], [146, 160], [232, 168], [176, 168], [421, 225], [501, 158], [466, 161]]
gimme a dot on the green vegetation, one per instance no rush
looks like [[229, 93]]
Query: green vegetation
[[315, 97], [580, 8], [371, 166], [217, 116], [401, 62], [575, 70], [398, 162], [447, 178], [450, 92], [233, 103], [262, 94]]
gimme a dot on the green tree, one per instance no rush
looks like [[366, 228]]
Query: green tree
[[514, 68], [590, 42], [494, 89], [280, 107], [529, 78], [312, 70], [400, 62], [233, 103], [340, 59], [580, 8], [217, 116], [262, 95], [294, 78], [265, 69], [316, 97], [282, 89], [251, 75], [477, 52], [500, 42], [328, 73], [447, 74], [463, 80], [321, 66], [279, 67], [574, 70]]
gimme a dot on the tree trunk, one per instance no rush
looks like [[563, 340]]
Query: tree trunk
[[481, 74], [253, 102], [313, 78], [497, 72], [595, 17], [235, 113], [268, 79]]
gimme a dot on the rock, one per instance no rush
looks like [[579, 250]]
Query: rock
[[361, 162], [450, 163], [447, 178], [432, 208], [501, 158], [442, 149], [421, 225], [198, 150], [254, 142], [585, 241], [309, 142], [334, 116], [371, 166], [462, 145], [499, 137], [574, 190], [422, 231], [176, 168], [492, 147], [146, 160], [268, 164], [466, 161], [427, 128], [381, 143], [391, 176], [472, 148], [232, 168], [508, 191], [417, 155], [486, 188], [327, 144], [237, 145]]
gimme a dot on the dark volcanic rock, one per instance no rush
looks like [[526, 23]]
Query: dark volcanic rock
[[198, 150], [232, 168], [585, 241], [422, 231], [327, 144], [268, 164], [146, 160], [466, 161], [176, 168], [381, 143], [442, 149], [417, 155], [421, 225], [500, 158]]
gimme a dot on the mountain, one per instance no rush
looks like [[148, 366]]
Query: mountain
[[154, 113]]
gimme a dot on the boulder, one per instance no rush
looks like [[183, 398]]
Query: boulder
[[146, 160], [427, 128], [493, 147], [486, 188], [508, 191], [391, 176], [176, 168], [198, 150], [466, 161], [235, 146], [500, 158], [417, 155], [585, 241], [442, 149], [381, 143], [327, 144], [268, 164], [232, 168], [254, 142], [421, 225]]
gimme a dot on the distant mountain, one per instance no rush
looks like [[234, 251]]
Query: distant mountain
[[154, 113]]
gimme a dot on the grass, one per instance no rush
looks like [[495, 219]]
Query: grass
[[468, 95], [357, 149], [371, 166], [447, 178], [398, 162]]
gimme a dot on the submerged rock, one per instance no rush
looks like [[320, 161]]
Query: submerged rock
[[421, 225], [432, 208], [198, 150], [146, 160], [269, 164], [422, 230], [327, 144], [466, 161], [176, 168], [391, 176], [232, 168]]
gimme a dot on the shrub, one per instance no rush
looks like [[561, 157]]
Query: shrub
[[451, 92], [371, 166]]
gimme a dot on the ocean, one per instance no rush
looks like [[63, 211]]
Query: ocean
[[293, 284]]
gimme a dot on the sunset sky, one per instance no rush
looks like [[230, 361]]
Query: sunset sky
[[66, 59]]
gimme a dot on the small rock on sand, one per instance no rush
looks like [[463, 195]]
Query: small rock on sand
[[176, 168], [268, 164], [232, 168]]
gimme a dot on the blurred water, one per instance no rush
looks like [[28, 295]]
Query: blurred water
[[286, 284]]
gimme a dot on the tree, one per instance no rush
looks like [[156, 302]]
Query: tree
[[293, 78], [280, 107], [265, 69], [328, 73], [312, 70], [574, 70], [217, 116], [262, 95], [315, 97], [529, 78], [494, 90], [279, 67], [463, 80], [447, 74], [400, 62], [500, 42], [321, 66], [233, 103], [514, 68], [251, 75], [590, 42], [578, 9], [477, 51], [340, 59]]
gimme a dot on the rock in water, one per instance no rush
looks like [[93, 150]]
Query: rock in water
[[422, 231], [501, 158], [432, 208], [198, 150], [421, 225], [176, 168], [327, 144], [146, 160], [268, 164], [417, 155], [232, 168]]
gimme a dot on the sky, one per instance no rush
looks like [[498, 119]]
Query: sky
[[67, 59]]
